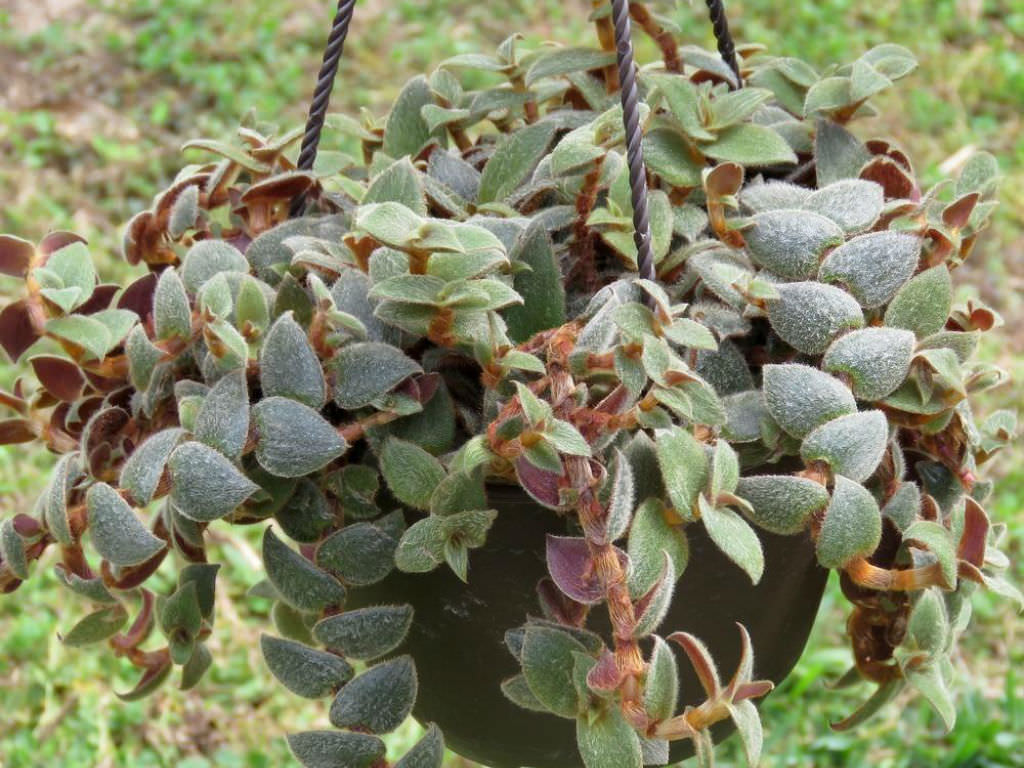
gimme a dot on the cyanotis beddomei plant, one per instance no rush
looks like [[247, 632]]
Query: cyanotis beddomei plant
[[452, 312]]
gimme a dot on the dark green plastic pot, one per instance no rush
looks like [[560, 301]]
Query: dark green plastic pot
[[457, 637]]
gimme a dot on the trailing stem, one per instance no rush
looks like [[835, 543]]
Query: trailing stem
[[661, 36]]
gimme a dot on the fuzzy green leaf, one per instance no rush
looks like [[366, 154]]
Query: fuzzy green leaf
[[334, 749], [366, 633], [406, 131], [606, 740], [668, 155], [801, 398], [514, 160], [773, 195], [939, 541], [180, 620], [979, 174], [206, 486], [733, 107], [208, 258], [781, 503], [923, 304], [750, 145], [293, 439], [853, 204], [540, 286], [725, 469], [92, 589], [684, 102], [566, 438], [458, 492], [661, 688], [547, 665], [852, 526], [365, 371], [223, 418], [851, 445], [650, 535], [874, 266], [734, 536], [652, 607], [299, 583], [172, 315], [55, 500], [838, 154], [575, 152], [748, 724], [565, 61], [904, 505], [379, 699], [684, 468], [195, 668], [928, 626], [288, 365], [141, 473], [411, 473], [97, 627], [428, 752], [791, 243], [359, 554], [423, 545], [143, 357], [184, 212], [400, 182], [621, 500], [117, 534], [304, 513], [517, 690], [204, 576], [83, 331], [876, 360], [809, 315], [304, 671], [930, 683], [689, 333]]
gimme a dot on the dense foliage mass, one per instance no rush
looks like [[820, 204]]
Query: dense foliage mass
[[456, 309]]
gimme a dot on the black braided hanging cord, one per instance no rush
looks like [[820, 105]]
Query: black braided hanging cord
[[322, 93], [726, 47], [634, 138]]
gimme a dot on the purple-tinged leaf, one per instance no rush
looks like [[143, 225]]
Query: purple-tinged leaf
[[17, 331], [54, 241], [975, 534], [541, 484], [16, 255], [59, 376], [557, 606], [701, 661], [605, 675], [14, 431], [573, 569]]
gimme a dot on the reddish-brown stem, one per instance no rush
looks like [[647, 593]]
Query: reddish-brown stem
[[606, 37], [661, 36], [865, 574]]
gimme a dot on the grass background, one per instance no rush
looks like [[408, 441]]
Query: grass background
[[97, 95]]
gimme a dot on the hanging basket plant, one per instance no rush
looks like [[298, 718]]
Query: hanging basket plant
[[554, 434]]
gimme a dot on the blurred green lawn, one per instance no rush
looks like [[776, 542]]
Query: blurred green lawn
[[95, 98]]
